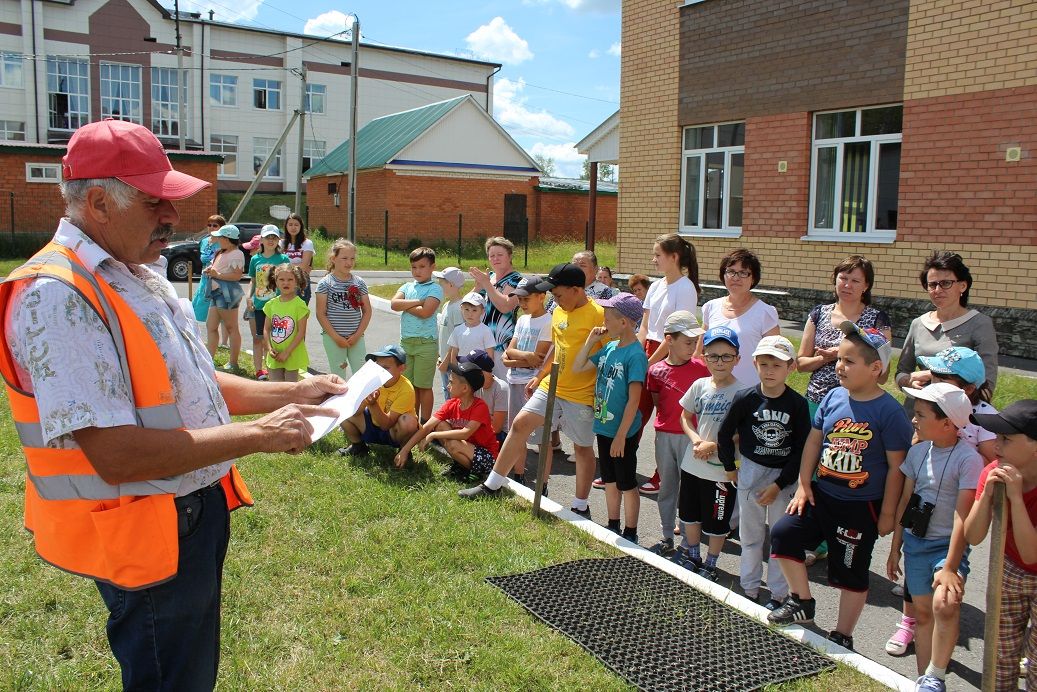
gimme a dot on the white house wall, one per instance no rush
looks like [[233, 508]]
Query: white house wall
[[391, 80]]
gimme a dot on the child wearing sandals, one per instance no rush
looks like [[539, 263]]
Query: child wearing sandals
[[940, 476], [963, 368]]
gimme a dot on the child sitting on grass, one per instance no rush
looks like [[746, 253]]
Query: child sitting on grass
[[622, 367], [388, 416], [462, 425], [285, 328], [1016, 430], [940, 474], [494, 391]]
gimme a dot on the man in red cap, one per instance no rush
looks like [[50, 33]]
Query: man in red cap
[[125, 424]]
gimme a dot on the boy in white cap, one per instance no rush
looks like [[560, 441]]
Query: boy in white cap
[[472, 334], [772, 422], [451, 280], [940, 477]]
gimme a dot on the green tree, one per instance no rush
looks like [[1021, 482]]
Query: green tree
[[546, 164]]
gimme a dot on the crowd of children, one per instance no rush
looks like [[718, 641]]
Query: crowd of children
[[735, 446]]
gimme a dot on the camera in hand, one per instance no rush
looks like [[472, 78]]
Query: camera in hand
[[917, 515]]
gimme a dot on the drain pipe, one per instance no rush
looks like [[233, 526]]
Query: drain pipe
[[489, 106], [35, 76]]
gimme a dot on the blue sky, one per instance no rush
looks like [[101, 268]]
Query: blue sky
[[560, 75]]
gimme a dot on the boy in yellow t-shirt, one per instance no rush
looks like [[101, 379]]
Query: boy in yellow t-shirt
[[573, 319], [388, 416]]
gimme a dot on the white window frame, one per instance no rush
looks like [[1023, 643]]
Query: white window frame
[[12, 130], [726, 230], [16, 64], [43, 173], [164, 78], [261, 147], [230, 152], [227, 85], [319, 90], [80, 97], [870, 234], [268, 87], [314, 150], [121, 82]]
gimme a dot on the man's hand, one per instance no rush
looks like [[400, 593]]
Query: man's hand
[[766, 496], [704, 449], [286, 429], [804, 495], [314, 390]]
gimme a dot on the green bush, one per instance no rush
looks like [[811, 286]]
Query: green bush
[[14, 245]]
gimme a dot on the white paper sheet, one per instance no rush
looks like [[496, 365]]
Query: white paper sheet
[[363, 382]]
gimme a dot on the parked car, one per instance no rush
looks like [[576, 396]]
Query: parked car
[[184, 255]]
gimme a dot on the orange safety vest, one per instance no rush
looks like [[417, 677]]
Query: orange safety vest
[[123, 534]]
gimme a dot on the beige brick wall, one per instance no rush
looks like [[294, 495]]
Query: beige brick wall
[[961, 46], [999, 272], [649, 143]]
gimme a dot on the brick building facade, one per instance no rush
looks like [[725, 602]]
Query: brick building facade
[[28, 188], [943, 97]]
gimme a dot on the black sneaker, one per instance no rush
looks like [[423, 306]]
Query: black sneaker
[[664, 548], [772, 604], [357, 449], [839, 638], [632, 537], [519, 478], [585, 513], [455, 470], [793, 610], [707, 572], [481, 490]]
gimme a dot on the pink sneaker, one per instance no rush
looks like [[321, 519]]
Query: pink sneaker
[[902, 637], [651, 486], [598, 484]]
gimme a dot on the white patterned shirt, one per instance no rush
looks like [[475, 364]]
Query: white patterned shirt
[[65, 355]]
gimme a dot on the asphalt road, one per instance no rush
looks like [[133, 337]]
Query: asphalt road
[[882, 610]]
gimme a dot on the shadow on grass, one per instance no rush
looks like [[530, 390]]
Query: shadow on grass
[[423, 471]]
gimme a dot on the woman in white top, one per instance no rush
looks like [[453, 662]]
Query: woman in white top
[[299, 249], [748, 316]]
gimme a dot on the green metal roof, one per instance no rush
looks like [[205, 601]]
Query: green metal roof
[[380, 140]]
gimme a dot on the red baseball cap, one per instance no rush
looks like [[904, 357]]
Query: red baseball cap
[[130, 153]]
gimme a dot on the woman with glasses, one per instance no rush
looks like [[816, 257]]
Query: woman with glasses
[[747, 316], [853, 279], [947, 281]]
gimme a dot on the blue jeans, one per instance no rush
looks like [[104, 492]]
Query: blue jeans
[[167, 637]]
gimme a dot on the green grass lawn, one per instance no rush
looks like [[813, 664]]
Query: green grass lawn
[[345, 575]]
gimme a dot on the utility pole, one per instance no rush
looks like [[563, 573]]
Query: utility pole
[[302, 141], [354, 76], [180, 86]]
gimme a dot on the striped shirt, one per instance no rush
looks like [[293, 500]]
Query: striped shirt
[[345, 299]]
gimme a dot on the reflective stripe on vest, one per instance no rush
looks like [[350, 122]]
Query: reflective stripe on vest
[[123, 534]]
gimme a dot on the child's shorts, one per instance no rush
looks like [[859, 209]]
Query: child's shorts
[[373, 435], [619, 470], [482, 462], [575, 420], [849, 526], [258, 322], [226, 295], [422, 355], [710, 503], [923, 558]]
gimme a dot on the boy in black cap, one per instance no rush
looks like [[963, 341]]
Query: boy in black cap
[[462, 425], [494, 391], [1016, 429]]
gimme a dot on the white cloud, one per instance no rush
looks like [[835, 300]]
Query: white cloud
[[328, 24], [509, 109], [592, 5], [234, 11], [568, 161], [496, 41], [594, 54], [616, 49]]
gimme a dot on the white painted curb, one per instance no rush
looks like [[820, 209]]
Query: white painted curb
[[873, 670]]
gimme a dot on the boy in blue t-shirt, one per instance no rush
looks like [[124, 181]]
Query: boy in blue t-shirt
[[859, 439], [622, 366], [418, 302]]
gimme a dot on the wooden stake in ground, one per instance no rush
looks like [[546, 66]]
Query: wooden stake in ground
[[545, 440], [190, 283], [994, 575]]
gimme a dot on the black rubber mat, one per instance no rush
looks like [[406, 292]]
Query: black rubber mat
[[655, 631]]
